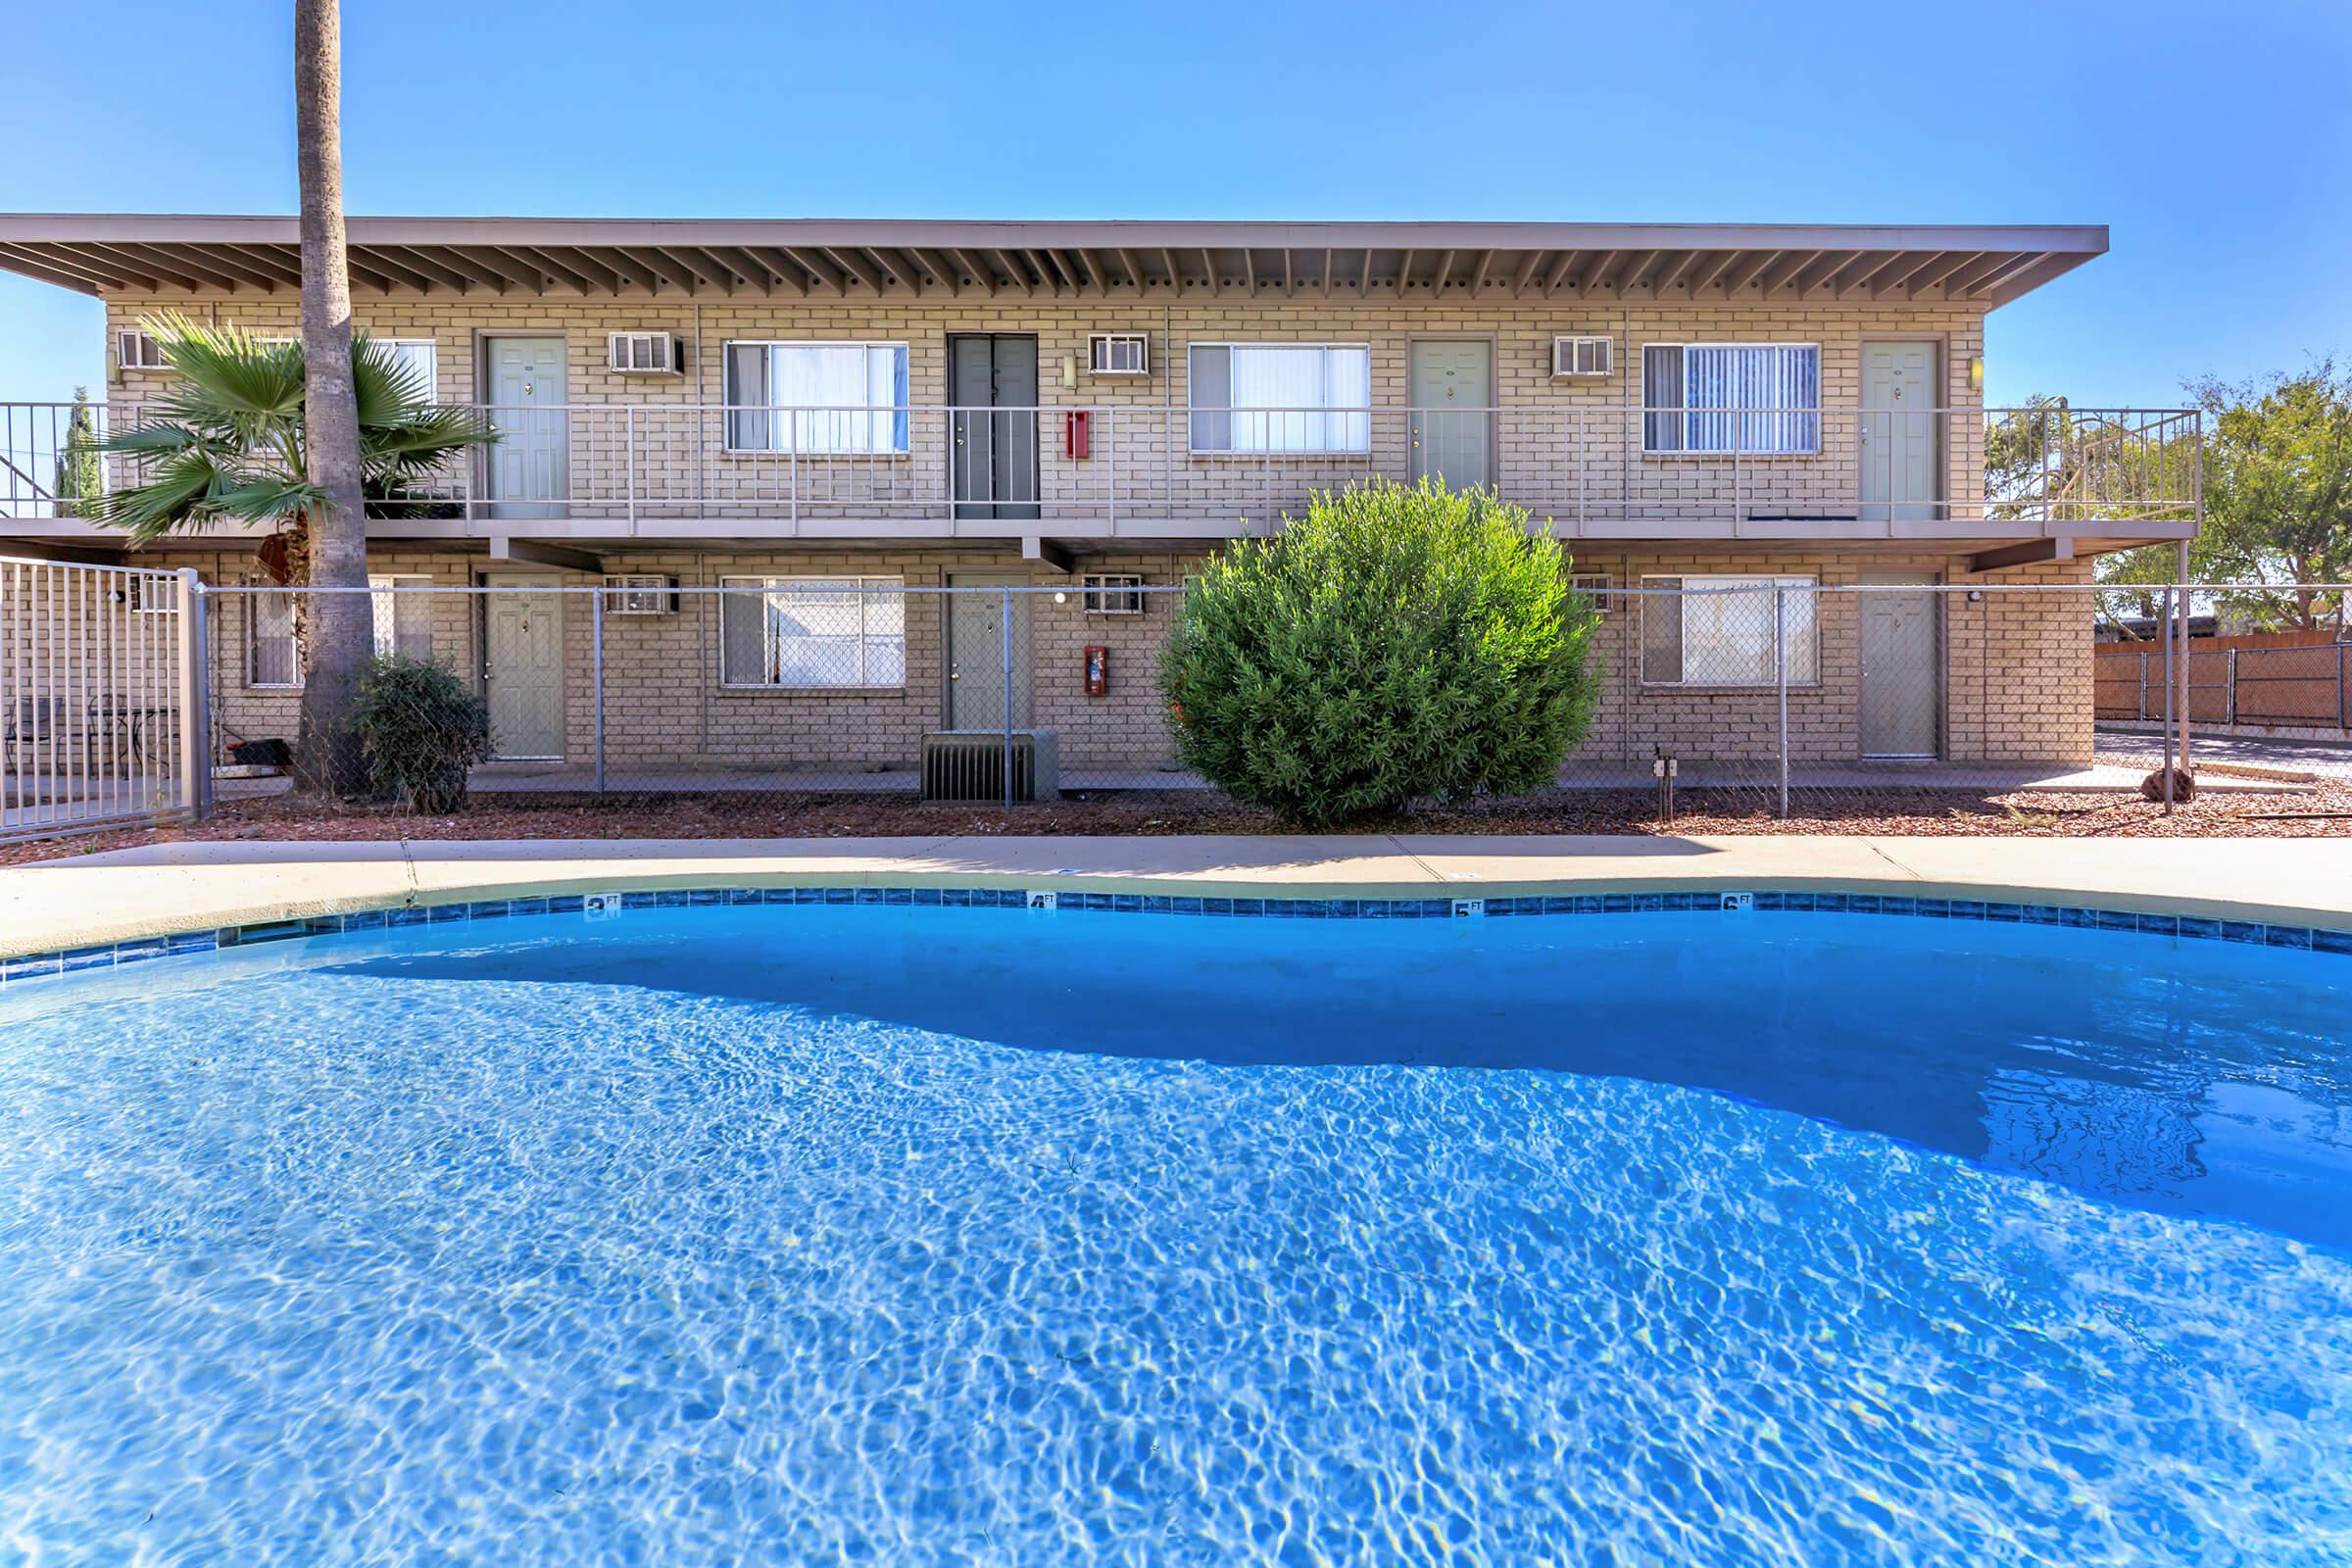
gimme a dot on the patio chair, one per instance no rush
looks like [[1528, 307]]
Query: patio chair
[[34, 728]]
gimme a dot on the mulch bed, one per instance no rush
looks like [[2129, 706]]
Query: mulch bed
[[2321, 811]]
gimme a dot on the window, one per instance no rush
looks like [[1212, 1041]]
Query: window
[[416, 356], [272, 656], [404, 622], [853, 397], [1595, 586], [1270, 397], [844, 632], [1718, 632], [1768, 394], [1112, 593]]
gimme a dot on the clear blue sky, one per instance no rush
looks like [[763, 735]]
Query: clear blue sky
[[2216, 139]]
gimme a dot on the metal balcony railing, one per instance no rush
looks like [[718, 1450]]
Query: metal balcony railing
[[1842, 471]]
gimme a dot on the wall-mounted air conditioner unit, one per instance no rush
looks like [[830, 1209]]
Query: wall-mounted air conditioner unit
[[646, 354], [641, 594], [1112, 593], [1119, 353], [137, 351], [1580, 356]]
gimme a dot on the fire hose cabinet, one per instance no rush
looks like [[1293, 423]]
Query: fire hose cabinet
[[1097, 670], [1077, 434]]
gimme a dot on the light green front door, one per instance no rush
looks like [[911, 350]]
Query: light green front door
[[976, 684], [529, 466], [1902, 665], [1453, 387], [1901, 433], [523, 670]]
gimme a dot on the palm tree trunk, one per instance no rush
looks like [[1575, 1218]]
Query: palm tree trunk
[[326, 754]]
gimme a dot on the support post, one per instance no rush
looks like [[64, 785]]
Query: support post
[[195, 718], [2168, 691], [1779, 681], [596, 647], [629, 430], [2180, 575], [1005, 629]]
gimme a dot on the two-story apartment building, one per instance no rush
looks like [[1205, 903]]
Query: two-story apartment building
[[782, 407]]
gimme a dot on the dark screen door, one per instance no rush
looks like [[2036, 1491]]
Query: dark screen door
[[992, 384]]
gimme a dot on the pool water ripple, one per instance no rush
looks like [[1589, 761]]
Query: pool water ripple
[[926, 1237]]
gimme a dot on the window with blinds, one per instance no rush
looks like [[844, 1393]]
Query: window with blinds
[[812, 633], [1725, 630], [404, 622], [273, 658], [1758, 399]]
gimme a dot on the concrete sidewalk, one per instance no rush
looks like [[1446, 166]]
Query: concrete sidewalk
[[130, 893]]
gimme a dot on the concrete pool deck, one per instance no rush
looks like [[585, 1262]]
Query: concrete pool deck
[[127, 894]]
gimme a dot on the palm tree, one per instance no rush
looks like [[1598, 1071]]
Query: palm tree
[[233, 443], [327, 752]]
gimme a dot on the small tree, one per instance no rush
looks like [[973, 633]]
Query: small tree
[[1394, 645], [2278, 492], [79, 483], [419, 728]]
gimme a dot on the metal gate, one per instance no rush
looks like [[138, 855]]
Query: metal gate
[[100, 697]]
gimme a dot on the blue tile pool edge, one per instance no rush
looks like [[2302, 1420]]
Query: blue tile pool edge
[[110, 956]]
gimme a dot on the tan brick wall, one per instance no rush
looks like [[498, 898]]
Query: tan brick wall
[[1563, 447], [2015, 681]]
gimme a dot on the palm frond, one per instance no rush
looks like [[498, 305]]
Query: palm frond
[[225, 443], [160, 439], [229, 370], [422, 438], [270, 498], [385, 386], [180, 491]]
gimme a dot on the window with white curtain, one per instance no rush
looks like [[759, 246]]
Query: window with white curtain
[[271, 656], [825, 398], [417, 356], [812, 633], [1720, 631], [1281, 397], [404, 622], [411, 353], [1760, 398]]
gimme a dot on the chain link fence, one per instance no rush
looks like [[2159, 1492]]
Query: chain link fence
[[758, 703], [763, 703]]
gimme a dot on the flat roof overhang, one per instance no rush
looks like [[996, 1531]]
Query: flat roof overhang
[[1985, 266]]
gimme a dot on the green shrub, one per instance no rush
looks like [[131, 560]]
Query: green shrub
[[422, 728], [1394, 645]]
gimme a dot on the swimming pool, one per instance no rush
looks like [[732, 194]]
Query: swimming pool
[[919, 1235]]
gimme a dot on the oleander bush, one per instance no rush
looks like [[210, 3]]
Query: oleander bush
[[421, 728], [1394, 645]]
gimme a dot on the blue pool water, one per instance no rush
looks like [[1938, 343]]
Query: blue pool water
[[937, 1235]]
